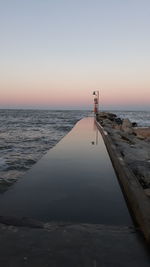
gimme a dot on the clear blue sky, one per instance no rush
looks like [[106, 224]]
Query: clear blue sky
[[55, 52]]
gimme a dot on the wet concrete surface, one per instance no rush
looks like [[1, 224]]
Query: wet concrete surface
[[73, 182], [84, 221], [72, 245]]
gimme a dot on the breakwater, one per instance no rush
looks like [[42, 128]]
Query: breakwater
[[131, 162]]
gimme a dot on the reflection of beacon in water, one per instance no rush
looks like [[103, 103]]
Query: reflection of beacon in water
[[96, 134]]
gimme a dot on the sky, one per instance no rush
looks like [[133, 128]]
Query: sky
[[55, 53]]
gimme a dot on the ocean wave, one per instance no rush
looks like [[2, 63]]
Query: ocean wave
[[26, 135], [142, 118]]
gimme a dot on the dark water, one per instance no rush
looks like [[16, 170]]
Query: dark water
[[73, 182], [25, 135]]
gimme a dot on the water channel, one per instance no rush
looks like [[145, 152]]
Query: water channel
[[73, 182]]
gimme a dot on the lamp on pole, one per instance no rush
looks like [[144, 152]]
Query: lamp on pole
[[96, 102]]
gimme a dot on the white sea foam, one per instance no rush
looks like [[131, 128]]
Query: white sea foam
[[141, 117]]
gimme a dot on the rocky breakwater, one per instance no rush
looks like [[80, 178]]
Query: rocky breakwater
[[129, 149], [133, 143]]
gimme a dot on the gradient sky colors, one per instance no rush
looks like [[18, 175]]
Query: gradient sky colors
[[54, 53]]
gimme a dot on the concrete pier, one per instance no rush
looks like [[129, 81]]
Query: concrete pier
[[68, 210], [74, 182]]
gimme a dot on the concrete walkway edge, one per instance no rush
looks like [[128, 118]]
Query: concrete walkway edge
[[138, 201]]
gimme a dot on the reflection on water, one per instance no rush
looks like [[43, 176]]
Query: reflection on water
[[74, 181], [96, 134]]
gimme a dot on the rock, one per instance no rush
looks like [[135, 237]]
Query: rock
[[140, 137], [127, 126], [147, 192], [107, 115], [142, 171], [111, 116], [134, 124], [127, 138], [142, 132], [128, 130], [107, 121], [103, 115], [134, 148], [117, 127], [126, 123], [118, 121]]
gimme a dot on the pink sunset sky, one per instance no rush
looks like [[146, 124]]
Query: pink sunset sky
[[54, 54], [73, 97]]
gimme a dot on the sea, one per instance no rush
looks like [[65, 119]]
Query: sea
[[26, 135]]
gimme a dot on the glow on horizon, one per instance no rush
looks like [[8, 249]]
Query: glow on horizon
[[55, 53]]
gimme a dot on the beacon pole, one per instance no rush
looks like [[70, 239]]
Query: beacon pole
[[96, 103]]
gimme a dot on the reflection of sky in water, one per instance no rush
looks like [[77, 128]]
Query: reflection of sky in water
[[74, 181]]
